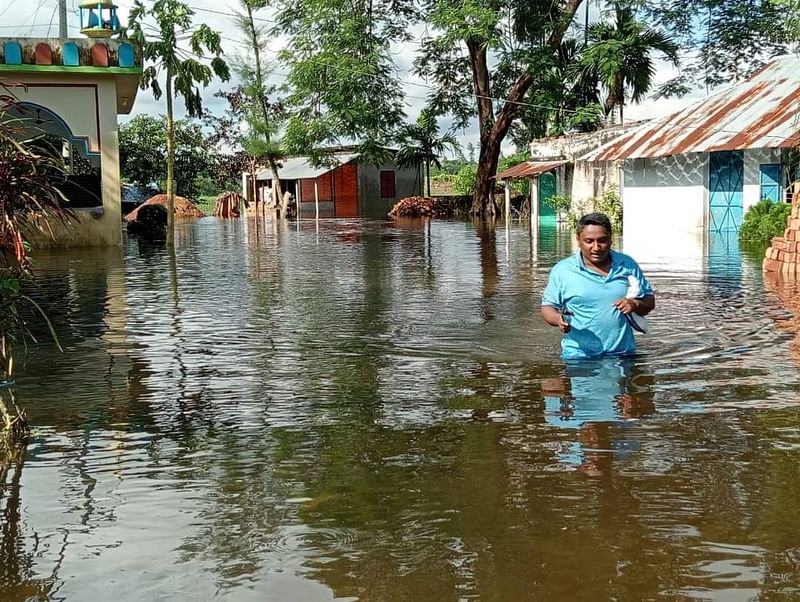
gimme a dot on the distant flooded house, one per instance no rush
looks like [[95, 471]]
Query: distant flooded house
[[556, 168], [347, 186], [701, 168]]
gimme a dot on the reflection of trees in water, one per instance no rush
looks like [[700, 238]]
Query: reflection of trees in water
[[248, 519], [490, 274], [20, 548]]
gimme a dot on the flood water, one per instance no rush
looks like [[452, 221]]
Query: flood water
[[374, 411]]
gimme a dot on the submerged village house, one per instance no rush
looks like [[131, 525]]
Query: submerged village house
[[346, 187], [695, 171], [71, 91], [701, 168], [556, 168]]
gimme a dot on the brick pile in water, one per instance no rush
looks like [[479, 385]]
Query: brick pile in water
[[783, 256]]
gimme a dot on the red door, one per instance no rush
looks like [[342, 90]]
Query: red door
[[346, 191]]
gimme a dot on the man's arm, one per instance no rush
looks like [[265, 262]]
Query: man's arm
[[553, 317]]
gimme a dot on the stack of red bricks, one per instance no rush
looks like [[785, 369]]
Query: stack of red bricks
[[783, 256]]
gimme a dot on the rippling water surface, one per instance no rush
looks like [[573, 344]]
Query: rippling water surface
[[374, 411]]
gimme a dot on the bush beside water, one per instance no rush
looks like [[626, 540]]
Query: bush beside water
[[764, 221]]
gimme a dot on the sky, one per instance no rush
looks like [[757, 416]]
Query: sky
[[39, 18]]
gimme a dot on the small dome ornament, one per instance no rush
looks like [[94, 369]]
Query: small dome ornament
[[99, 19]]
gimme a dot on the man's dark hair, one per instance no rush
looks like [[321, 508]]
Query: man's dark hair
[[594, 219]]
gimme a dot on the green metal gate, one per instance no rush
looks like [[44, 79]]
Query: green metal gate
[[547, 189]]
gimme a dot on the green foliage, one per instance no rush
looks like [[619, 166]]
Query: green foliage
[[342, 82], [205, 203], [618, 56], [610, 203], [30, 204], [465, 179], [559, 202], [722, 41], [517, 186], [792, 12], [764, 220], [183, 67], [494, 60], [183, 70], [143, 154], [422, 145]]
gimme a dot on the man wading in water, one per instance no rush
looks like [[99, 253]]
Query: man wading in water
[[596, 295]]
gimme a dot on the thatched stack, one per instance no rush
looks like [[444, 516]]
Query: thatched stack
[[421, 206], [228, 205], [184, 208]]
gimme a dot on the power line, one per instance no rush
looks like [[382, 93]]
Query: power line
[[52, 18], [35, 14], [8, 6]]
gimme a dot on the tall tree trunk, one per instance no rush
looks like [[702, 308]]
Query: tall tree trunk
[[170, 165], [482, 205], [280, 199], [254, 184], [428, 175], [493, 129], [277, 190]]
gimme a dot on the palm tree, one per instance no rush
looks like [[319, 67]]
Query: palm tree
[[619, 56], [422, 145], [183, 69]]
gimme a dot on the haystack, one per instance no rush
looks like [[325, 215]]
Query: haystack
[[228, 205], [420, 206], [184, 208]]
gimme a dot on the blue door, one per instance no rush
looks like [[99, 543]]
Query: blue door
[[770, 182], [725, 187]]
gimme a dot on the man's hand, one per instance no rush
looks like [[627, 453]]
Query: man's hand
[[554, 317], [626, 306], [641, 306]]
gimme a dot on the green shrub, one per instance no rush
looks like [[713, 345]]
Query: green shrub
[[610, 204], [559, 202], [465, 179], [764, 221]]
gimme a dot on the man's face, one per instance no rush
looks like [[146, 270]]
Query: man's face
[[594, 243]]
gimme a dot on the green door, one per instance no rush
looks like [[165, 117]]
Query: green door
[[547, 189]]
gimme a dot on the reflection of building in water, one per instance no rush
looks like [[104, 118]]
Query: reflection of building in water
[[84, 295], [599, 398]]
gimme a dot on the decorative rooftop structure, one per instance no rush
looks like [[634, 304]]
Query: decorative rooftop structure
[[107, 59], [99, 19]]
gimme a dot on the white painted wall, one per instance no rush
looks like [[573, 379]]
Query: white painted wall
[[88, 105], [665, 194], [672, 192]]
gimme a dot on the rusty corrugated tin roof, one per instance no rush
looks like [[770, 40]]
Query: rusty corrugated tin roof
[[762, 112], [528, 169]]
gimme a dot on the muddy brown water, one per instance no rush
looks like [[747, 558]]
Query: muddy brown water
[[374, 411]]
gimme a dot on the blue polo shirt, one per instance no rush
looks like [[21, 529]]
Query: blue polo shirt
[[596, 326]]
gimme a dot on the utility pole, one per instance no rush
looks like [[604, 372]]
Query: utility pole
[[62, 19]]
